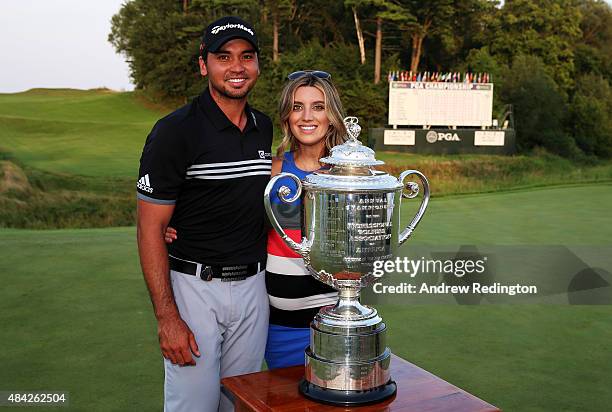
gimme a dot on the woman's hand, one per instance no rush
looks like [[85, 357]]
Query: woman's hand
[[170, 235]]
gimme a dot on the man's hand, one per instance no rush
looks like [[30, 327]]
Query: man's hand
[[177, 341]]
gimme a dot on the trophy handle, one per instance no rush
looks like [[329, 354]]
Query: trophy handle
[[303, 248], [414, 191]]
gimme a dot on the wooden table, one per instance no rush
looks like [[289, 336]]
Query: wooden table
[[417, 390]]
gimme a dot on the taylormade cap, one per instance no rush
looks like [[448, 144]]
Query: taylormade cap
[[225, 29]]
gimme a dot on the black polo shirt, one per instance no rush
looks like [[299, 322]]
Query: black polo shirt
[[215, 175]]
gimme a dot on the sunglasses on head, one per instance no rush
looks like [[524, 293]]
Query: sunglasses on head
[[316, 73]]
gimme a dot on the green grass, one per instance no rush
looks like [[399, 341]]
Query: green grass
[[76, 315], [517, 357], [70, 105], [570, 215], [84, 148], [87, 133], [76, 318]]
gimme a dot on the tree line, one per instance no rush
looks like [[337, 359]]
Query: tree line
[[550, 59]]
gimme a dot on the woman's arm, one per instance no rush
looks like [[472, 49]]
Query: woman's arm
[[277, 165]]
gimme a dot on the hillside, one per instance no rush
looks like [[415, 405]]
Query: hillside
[[70, 159], [77, 132]]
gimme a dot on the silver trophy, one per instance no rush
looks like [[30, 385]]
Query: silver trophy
[[350, 219]]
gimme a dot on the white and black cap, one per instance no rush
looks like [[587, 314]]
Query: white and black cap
[[225, 29]]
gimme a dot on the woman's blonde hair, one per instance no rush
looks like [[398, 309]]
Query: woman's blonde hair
[[336, 133]]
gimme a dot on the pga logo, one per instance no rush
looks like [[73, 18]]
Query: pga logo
[[433, 137]]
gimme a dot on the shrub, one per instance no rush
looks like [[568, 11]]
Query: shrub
[[481, 61], [591, 116], [539, 107]]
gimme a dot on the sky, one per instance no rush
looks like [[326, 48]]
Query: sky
[[59, 43]]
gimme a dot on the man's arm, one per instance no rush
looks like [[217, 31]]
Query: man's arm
[[175, 338]]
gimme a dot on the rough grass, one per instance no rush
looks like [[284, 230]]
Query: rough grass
[[61, 200], [43, 200], [462, 174]]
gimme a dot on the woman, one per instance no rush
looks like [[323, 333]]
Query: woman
[[311, 118]]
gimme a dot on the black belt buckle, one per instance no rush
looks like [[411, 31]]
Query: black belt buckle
[[206, 273]]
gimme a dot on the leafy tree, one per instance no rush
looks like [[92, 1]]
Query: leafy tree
[[387, 11], [560, 94], [547, 29], [539, 107], [594, 52], [279, 10], [355, 5], [596, 23], [431, 17], [481, 61], [214, 9], [383, 10], [321, 20], [471, 26], [160, 43], [591, 116]]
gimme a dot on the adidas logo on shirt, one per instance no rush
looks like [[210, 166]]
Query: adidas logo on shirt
[[144, 184]]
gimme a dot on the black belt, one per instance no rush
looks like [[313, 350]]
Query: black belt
[[209, 272]]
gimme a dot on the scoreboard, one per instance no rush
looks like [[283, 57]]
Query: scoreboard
[[440, 104]]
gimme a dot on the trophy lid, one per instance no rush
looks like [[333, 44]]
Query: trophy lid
[[352, 152], [352, 167]]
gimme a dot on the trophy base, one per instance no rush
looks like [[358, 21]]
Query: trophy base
[[347, 398]]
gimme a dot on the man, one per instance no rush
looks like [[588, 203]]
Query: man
[[203, 170]]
